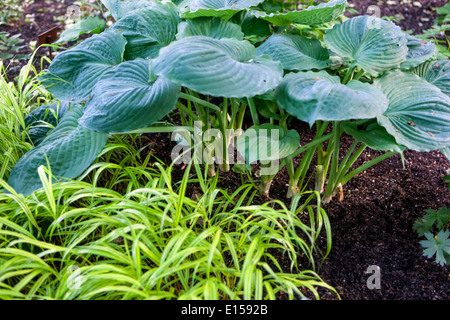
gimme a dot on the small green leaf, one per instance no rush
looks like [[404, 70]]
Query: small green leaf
[[6, 56], [423, 226], [89, 25], [440, 217], [439, 246]]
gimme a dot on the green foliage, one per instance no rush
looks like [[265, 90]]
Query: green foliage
[[12, 10], [215, 61], [10, 47], [77, 240], [90, 25], [434, 226], [440, 30], [17, 99]]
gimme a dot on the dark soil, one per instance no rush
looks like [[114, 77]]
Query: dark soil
[[45, 14], [411, 14], [373, 224]]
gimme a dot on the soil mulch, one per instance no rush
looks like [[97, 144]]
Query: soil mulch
[[373, 224], [43, 16], [410, 14]]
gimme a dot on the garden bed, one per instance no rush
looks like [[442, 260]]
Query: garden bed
[[371, 226], [373, 223]]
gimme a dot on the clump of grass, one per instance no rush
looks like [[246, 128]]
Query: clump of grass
[[17, 99], [126, 230], [75, 240]]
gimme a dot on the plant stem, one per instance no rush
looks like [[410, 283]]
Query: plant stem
[[199, 101], [188, 111], [334, 161], [359, 74], [293, 190], [240, 117], [318, 139], [367, 165], [348, 75], [234, 112], [346, 166], [253, 111]]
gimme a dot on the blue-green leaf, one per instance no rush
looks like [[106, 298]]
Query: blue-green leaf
[[295, 52], [148, 30], [221, 68], [436, 73], [419, 51], [312, 96], [129, 97], [73, 73], [69, 149], [374, 44], [418, 115], [312, 15]]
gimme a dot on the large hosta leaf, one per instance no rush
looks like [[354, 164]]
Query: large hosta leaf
[[40, 121], [418, 115], [222, 68], [371, 43], [119, 8], [69, 149], [312, 96], [266, 142], [129, 97], [373, 135], [419, 51], [313, 15], [217, 8], [211, 27], [295, 52], [436, 73], [148, 30], [73, 73]]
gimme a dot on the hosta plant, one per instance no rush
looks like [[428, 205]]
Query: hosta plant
[[216, 61]]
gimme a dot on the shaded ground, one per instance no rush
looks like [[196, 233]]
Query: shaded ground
[[373, 225], [39, 17], [409, 14]]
